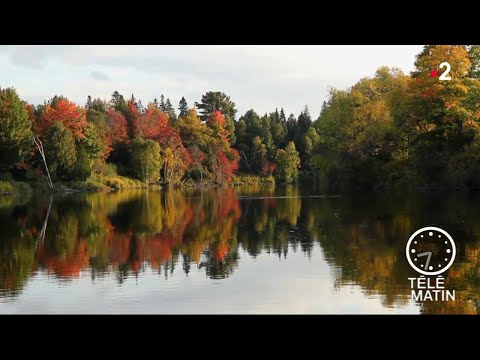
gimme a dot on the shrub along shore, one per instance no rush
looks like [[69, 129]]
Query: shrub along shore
[[113, 183]]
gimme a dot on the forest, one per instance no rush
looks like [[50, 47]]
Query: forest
[[389, 131]]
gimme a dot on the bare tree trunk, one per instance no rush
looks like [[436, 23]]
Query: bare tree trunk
[[39, 144], [246, 161], [41, 236]]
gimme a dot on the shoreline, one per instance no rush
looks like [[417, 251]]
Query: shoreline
[[12, 188]]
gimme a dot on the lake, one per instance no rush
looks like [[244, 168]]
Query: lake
[[234, 250]]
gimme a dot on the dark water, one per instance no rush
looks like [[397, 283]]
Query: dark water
[[270, 250]]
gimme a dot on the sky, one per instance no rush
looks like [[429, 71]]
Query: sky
[[262, 77]]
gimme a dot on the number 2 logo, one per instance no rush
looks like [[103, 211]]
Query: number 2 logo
[[445, 73]]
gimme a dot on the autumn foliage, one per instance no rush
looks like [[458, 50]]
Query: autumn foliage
[[224, 165], [67, 113], [153, 124], [117, 130], [217, 122], [269, 168]]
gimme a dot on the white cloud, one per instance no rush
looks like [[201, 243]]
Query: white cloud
[[98, 75], [259, 77]]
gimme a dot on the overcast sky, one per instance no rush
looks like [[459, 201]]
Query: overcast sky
[[258, 77]]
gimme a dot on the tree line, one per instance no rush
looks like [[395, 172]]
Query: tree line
[[390, 130], [149, 143]]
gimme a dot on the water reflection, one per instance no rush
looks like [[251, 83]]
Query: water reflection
[[362, 237]]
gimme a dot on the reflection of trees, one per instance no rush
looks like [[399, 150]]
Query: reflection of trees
[[464, 277], [121, 231], [20, 230], [365, 243], [362, 236]]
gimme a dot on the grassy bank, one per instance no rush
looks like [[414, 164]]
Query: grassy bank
[[15, 188], [92, 184], [244, 179], [238, 180], [115, 182], [101, 183]]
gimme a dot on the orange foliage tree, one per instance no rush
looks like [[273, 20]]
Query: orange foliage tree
[[152, 124], [67, 113], [217, 123]]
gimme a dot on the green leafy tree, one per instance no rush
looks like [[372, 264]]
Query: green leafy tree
[[255, 142], [96, 117], [267, 137], [260, 151], [146, 161], [60, 151], [94, 142], [82, 168], [16, 134], [310, 139], [360, 143], [288, 164], [194, 132]]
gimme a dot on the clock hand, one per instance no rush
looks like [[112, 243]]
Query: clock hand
[[429, 256]]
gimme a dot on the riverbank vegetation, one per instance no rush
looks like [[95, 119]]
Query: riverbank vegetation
[[392, 130], [9, 187]]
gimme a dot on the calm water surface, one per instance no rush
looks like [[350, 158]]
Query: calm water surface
[[257, 250]]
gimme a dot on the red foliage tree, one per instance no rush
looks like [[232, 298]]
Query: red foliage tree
[[66, 112], [117, 129], [132, 115], [224, 165], [269, 168], [152, 123]]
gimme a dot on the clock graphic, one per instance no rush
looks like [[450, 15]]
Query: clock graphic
[[430, 250]]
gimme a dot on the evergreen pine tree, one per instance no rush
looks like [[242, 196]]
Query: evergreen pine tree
[[183, 107], [162, 102], [283, 118], [88, 105], [172, 117]]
